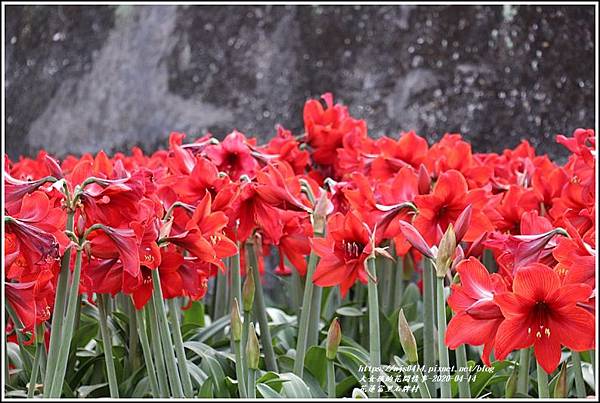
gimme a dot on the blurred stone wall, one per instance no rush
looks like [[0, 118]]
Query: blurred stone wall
[[81, 79]]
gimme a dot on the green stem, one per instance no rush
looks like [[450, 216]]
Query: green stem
[[133, 339], [330, 379], [315, 318], [399, 281], [163, 380], [60, 302], [239, 370], [374, 336], [245, 330], [141, 330], [305, 314], [179, 350], [39, 347], [251, 383], [167, 343], [523, 375], [429, 321], [221, 295], [236, 281], [261, 313], [579, 382], [388, 286], [107, 344], [445, 389], [542, 378], [461, 363], [67, 331], [298, 292]]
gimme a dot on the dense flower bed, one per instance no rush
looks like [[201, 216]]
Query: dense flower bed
[[369, 234]]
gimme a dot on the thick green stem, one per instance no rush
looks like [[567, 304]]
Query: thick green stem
[[251, 383], [298, 291], [374, 336], [239, 370], [141, 330], [428, 321], [179, 350], [523, 375], [245, 330], [37, 361], [330, 379], [167, 344], [389, 286], [399, 281], [445, 389], [579, 382], [163, 379], [542, 378], [132, 337], [315, 318], [305, 312], [67, 331], [220, 308], [261, 312], [58, 315], [113, 385], [464, 391], [236, 280]]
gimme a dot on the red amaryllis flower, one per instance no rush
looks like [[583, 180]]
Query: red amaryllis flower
[[287, 149], [477, 317], [542, 313], [117, 243], [183, 276], [203, 236], [449, 198], [343, 252], [294, 243], [233, 156], [32, 300], [409, 150], [326, 128]]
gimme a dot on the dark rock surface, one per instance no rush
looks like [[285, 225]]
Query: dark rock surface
[[83, 78]]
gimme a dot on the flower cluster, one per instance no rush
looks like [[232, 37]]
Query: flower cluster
[[333, 191]]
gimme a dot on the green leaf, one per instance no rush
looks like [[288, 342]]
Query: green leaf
[[194, 315], [483, 378], [345, 385], [266, 391], [315, 361], [86, 391], [350, 311], [210, 365], [142, 389], [206, 391], [295, 387]]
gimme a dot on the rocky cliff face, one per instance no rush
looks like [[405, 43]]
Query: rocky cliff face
[[81, 79]]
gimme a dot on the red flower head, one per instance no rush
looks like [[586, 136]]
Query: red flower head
[[449, 199], [477, 317], [294, 242], [33, 300], [326, 128], [409, 150], [542, 313], [287, 149], [343, 253], [233, 155]]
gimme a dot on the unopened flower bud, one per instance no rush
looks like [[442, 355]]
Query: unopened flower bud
[[248, 293], [415, 239], [560, 388], [334, 337], [407, 339], [424, 180], [252, 348], [236, 321], [80, 225], [462, 223], [445, 253], [323, 207]]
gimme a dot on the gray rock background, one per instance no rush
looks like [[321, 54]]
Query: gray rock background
[[81, 79]]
